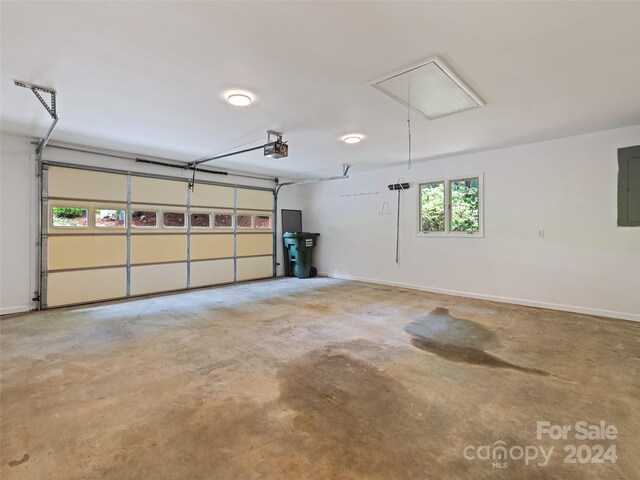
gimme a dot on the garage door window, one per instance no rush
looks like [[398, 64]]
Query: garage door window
[[244, 221], [263, 221], [144, 218], [200, 220], [70, 217], [109, 218], [223, 220], [173, 219]]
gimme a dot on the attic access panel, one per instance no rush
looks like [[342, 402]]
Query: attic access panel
[[432, 89]]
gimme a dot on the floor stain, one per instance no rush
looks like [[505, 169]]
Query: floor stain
[[459, 340], [15, 463], [336, 416], [357, 422], [439, 325], [286, 331]]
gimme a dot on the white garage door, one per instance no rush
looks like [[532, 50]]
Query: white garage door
[[109, 235]]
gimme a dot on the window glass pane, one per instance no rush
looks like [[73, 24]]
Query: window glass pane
[[244, 221], [263, 221], [223, 220], [70, 217], [465, 212], [173, 219], [144, 218], [201, 220], [109, 218], [432, 207]]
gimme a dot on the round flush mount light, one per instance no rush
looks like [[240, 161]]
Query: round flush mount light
[[352, 139], [239, 99]]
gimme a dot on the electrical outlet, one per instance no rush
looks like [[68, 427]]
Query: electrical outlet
[[541, 233]]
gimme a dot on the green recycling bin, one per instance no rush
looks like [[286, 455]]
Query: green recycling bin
[[299, 252]]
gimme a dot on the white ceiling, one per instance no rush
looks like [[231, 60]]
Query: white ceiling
[[149, 77]]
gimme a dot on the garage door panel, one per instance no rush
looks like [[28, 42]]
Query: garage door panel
[[254, 244], [83, 184], [158, 278], [212, 196], [154, 190], [211, 272], [213, 245], [254, 268], [87, 258], [66, 288], [75, 251], [254, 199], [149, 248]]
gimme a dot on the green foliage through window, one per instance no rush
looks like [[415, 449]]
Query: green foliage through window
[[464, 206], [69, 212], [69, 217], [432, 207], [464, 200]]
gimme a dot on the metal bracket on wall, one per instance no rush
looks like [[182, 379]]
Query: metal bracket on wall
[[36, 89], [50, 107]]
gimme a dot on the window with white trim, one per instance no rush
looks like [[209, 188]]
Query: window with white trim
[[144, 218], [70, 216], [451, 207], [263, 221], [244, 221], [173, 219], [109, 218], [223, 220], [200, 220]]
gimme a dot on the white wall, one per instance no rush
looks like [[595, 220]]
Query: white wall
[[568, 187], [17, 217], [19, 211]]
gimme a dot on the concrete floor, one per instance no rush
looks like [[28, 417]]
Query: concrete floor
[[311, 379]]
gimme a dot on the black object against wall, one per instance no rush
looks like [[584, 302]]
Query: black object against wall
[[291, 222]]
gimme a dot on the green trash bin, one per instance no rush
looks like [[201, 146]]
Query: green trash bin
[[299, 252]]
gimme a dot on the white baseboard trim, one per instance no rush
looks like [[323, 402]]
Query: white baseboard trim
[[634, 317], [18, 309]]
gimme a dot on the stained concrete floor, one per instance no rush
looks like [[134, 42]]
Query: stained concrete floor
[[311, 379]]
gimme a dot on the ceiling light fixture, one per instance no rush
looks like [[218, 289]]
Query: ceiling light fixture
[[239, 99], [352, 139]]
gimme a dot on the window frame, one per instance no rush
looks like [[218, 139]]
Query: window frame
[[158, 213], [94, 224], [238, 227], [208, 214], [230, 227], [448, 233], [72, 227], [255, 221], [172, 227]]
